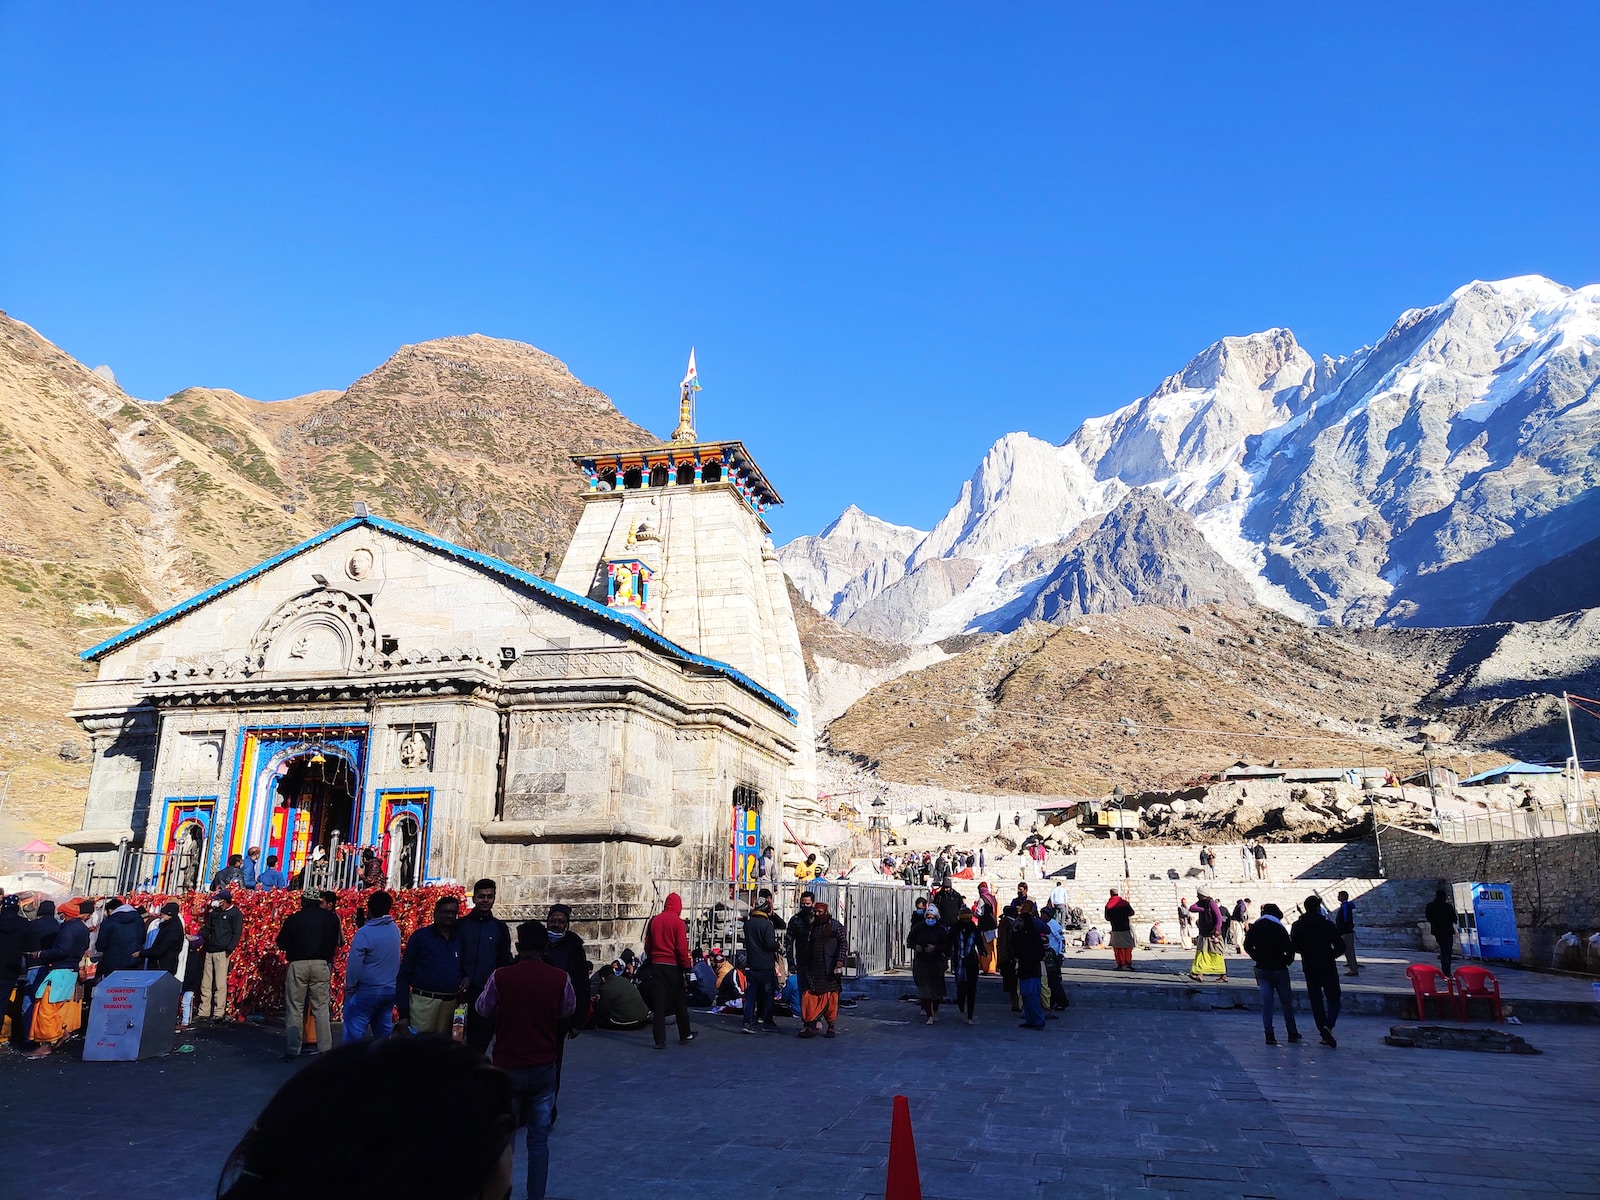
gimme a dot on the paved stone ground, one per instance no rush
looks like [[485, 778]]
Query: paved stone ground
[[1103, 1103]]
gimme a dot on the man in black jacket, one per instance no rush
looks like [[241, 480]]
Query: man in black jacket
[[1441, 915], [1270, 948], [1319, 945], [565, 951], [761, 967], [163, 953], [120, 938], [485, 948], [220, 933], [798, 934], [309, 940], [16, 939]]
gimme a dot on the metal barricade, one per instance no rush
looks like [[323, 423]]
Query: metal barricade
[[876, 919]]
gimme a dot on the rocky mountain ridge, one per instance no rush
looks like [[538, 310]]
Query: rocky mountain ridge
[[1416, 481], [116, 508]]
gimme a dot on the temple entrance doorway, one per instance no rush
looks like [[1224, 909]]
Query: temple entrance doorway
[[316, 801]]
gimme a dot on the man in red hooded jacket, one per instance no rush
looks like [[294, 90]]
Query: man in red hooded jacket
[[666, 949]]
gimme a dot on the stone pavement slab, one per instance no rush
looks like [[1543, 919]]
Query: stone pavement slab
[[1103, 1103]]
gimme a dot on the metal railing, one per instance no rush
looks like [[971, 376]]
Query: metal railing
[[1546, 820]]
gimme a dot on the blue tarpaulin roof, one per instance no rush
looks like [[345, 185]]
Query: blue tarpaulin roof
[[1516, 768], [484, 562]]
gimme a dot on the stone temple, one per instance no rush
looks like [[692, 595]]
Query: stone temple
[[642, 719]]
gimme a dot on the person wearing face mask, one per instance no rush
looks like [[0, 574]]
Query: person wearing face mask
[[565, 951], [797, 933], [929, 943], [485, 947]]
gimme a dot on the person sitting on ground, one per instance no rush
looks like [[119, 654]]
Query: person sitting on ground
[[1158, 935], [1093, 939], [470, 1151], [702, 984], [730, 977], [619, 1004]]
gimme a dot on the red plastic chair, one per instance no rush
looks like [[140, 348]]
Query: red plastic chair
[[1476, 983], [1426, 980]]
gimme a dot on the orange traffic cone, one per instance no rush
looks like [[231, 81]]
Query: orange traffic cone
[[904, 1181]]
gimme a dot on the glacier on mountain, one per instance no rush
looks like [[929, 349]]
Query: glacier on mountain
[[1412, 481]]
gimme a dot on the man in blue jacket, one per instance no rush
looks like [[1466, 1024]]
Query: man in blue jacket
[[369, 972], [485, 948], [430, 983]]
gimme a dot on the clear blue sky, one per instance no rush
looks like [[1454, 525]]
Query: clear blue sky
[[894, 233]]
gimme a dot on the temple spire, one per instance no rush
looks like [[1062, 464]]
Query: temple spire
[[686, 390]]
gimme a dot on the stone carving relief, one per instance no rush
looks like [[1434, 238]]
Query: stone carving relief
[[321, 631], [415, 748], [200, 754], [360, 564]]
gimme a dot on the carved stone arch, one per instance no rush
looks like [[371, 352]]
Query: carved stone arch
[[321, 631]]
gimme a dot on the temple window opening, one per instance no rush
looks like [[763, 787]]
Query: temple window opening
[[685, 474], [658, 477], [632, 479], [712, 473]]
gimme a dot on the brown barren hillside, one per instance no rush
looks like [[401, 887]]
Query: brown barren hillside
[[1152, 697], [112, 509]]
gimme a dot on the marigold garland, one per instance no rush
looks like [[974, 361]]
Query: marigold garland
[[256, 968]]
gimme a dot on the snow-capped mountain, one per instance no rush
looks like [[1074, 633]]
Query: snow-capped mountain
[[1412, 482]]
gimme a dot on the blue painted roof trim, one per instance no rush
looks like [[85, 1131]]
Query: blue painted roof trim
[[494, 566]]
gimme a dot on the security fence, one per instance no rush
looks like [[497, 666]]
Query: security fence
[[1545, 820]]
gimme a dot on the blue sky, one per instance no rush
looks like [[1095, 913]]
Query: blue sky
[[894, 233]]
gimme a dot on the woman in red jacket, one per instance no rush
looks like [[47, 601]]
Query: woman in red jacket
[[666, 949]]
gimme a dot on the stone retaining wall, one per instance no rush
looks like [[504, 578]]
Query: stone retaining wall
[[1555, 882]]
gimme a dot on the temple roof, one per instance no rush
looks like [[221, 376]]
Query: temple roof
[[484, 562], [672, 454]]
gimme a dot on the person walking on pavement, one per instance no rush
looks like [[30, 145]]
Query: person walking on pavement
[[527, 1003], [1441, 917], [1272, 950], [1208, 956], [369, 972], [309, 940], [761, 968], [966, 962], [666, 951], [430, 980], [1345, 922], [822, 973], [564, 951], [1119, 915], [1319, 945], [929, 944], [485, 947], [219, 934]]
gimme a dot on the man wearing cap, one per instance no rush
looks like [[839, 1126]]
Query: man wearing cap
[[219, 934], [485, 947], [526, 1004], [309, 940], [822, 973]]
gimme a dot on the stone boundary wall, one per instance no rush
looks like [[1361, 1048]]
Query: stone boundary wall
[[1555, 881]]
